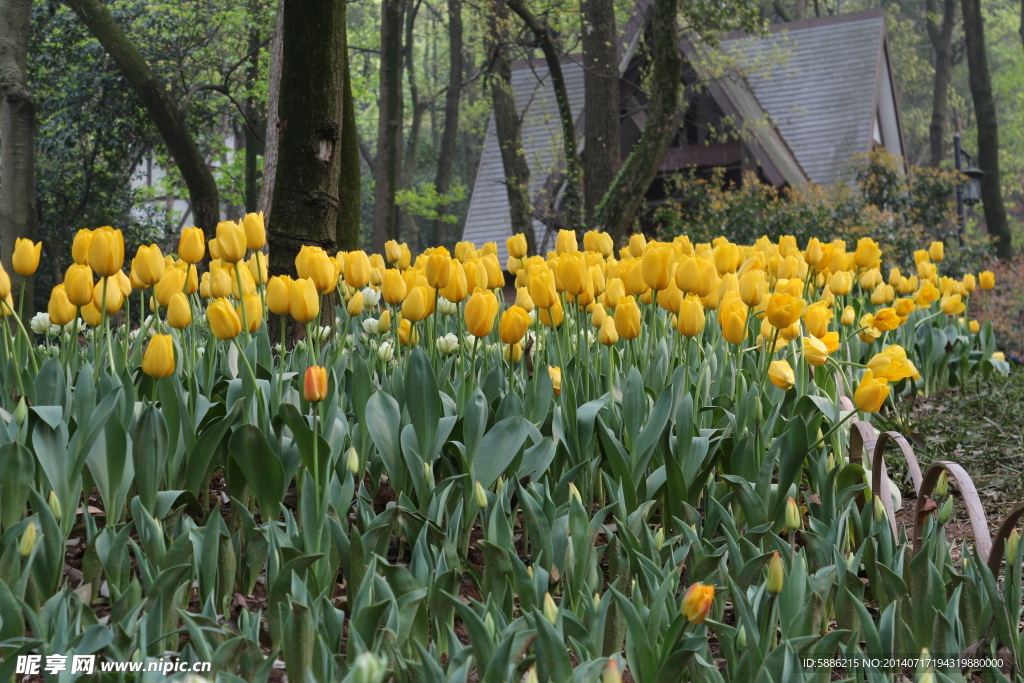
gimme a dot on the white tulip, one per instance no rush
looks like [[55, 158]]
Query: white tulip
[[448, 343], [370, 325], [445, 307], [370, 297], [385, 352]]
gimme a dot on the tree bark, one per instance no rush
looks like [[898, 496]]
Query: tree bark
[[311, 109], [988, 130], [626, 195], [251, 113], [446, 155], [941, 37], [601, 127], [507, 125], [202, 188], [572, 199], [17, 136], [412, 141], [270, 140], [389, 124], [349, 191]]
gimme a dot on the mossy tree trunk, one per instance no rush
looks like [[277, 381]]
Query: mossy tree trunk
[[446, 155], [601, 128], [389, 124]]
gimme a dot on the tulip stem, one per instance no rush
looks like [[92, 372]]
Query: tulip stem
[[28, 340], [832, 429], [241, 300]]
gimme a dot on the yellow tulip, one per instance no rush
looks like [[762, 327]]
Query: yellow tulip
[[523, 299], [223, 320], [253, 311], [542, 287], [60, 309], [303, 304], [815, 351], [80, 247], [513, 324], [597, 314], [904, 307], [91, 315], [572, 274], [886, 319], [849, 316], [891, 364], [78, 284], [670, 297], [357, 269], [691, 316], [393, 287], [634, 280], [393, 251], [148, 265], [158, 360], [708, 278], [565, 242], [111, 303], [479, 313], [179, 313], [258, 269], [840, 283], [688, 274], [627, 318], [438, 270], [192, 245], [517, 353], [384, 322], [465, 251], [495, 277], [214, 249], [255, 233], [277, 294], [656, 267], [937, 251], [727, 257], [457, 287], [871, 393], [231, 241], [752, 287], [969, 283], [555, 373], [517, 247], [551, 317], [416, 305], [221, 280], [868, 253], [732, 317], [781, 374], [407, 335], [697, 603], [953, 305], [614, 292], [106, 251], [817, 318], [784, 309], [974, 326], [25, 258], [637, 244], [172, 282], [831, 342], [608, 335]]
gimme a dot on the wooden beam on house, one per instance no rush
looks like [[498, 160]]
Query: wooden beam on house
[[716, 154]]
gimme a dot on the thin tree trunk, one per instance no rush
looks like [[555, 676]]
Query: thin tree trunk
[[202, 188], [349, 192], [306, 202], [941, 37], [507, 125], [251, 141], [17, 135], [988, 130], [446, 155], [572, 200], [266, 203], [625, 197], [601, 126], [412, 142], [389, 124]]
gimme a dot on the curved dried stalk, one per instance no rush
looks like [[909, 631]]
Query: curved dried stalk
[[975, 512], [999, 540]]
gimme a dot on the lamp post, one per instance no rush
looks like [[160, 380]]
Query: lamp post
[[968, 193]]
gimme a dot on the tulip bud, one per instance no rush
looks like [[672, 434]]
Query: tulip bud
[[697, 602], [314, 386], [550, 609], [596, 601], [659, 538], [531, 676], [28, 540], [1012, 544], [946, 511], [21, 412], [574, 493], [352, 460], [489, 625], [879, 509], [941, 485], [479, 495], [54, 504], [741, 638], [612, 673], [793, 516], [830, 464], [428, 474], [776, 576]]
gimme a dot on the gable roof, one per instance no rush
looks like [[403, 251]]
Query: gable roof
[[822, 81], [810, 93]]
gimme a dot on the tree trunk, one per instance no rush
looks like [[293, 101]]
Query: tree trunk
[[251, 113], [202, 188], [17, 136], [349, 192], [941, 38], [446, 155], [626, 195], [311, 109], [389, 124], [601, 103], [412, 142], [572, 199], [988, 130], [507, 125], [273, 120]]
